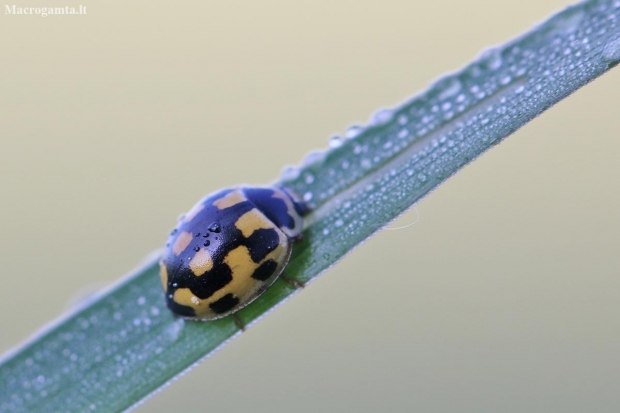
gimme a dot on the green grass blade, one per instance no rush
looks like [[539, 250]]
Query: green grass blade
[[122, 346]]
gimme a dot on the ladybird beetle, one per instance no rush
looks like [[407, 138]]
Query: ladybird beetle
[[228, 249]]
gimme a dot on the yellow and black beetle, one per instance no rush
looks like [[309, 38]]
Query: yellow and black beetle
[[228, 249]]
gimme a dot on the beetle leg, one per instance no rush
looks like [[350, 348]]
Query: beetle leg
[[239, 323], [291, 281]]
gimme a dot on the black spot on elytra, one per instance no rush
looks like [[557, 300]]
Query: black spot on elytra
[[262, 242], [215, 279], [224, 304], [265, 270]]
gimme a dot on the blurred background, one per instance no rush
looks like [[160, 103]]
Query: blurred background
[[505, 292]]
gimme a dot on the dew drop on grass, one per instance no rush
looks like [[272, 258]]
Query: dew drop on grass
[[173, 331], [312, 158], [450, 88], [290, 173], [382, 116], [335, 142], [492, 58], [353, 132]]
